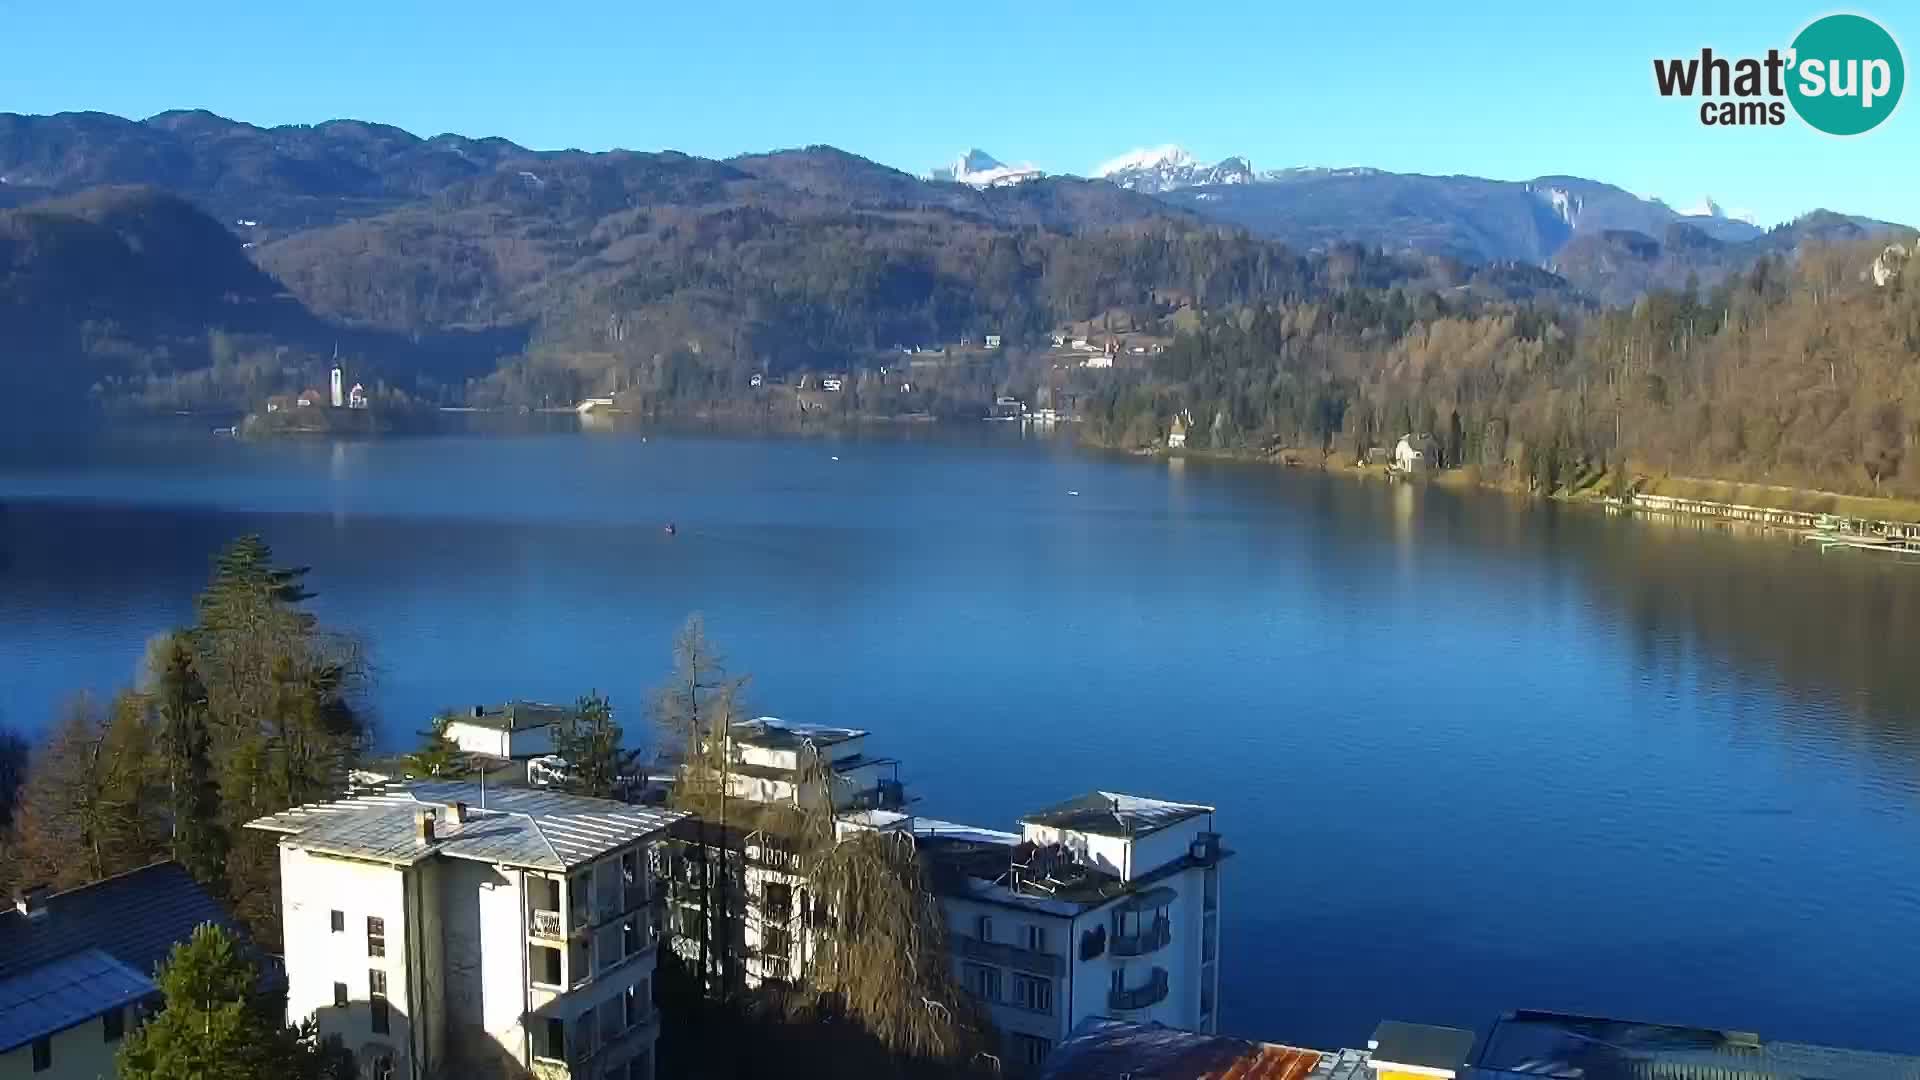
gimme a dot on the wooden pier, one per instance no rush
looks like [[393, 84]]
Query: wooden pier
[[1830, 531]]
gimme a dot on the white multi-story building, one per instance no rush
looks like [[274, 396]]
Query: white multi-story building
[[737, 865], [441, 929], [1106, 905]]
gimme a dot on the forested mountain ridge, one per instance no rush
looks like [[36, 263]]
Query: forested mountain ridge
[[474, 271], [1802, 373]]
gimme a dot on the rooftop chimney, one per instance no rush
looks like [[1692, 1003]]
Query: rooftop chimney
[[31, 901], [423, 826], [457, 814]]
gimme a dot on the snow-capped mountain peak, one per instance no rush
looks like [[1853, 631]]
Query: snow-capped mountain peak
[[1169, 168], [980, 169], [1708, 208], [1153, 157]]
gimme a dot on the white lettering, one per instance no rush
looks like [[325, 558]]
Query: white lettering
[[1879, 80], [1813, 77], [1850, 85]]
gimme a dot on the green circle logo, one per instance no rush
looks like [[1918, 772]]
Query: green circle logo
[[1847, 74]]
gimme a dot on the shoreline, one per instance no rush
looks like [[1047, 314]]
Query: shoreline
[[1792, 509]]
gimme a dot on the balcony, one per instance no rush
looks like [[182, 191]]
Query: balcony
[[546, 924], [994, 952], [1150, 939], [1139, 997]]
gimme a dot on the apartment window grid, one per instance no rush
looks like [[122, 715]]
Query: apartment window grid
[[982, 981], [376, 936], [1031, 1049], [1034, 995], [1036, 938]]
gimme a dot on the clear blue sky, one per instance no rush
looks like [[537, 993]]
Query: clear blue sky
[[1501, 89]]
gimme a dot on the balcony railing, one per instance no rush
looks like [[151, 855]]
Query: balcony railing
[[1148, 940], [1140, 997], [546, 924], [994, 952]]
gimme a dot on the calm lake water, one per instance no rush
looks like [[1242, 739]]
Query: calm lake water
[[1473, 754]]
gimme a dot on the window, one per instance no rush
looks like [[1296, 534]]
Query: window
[[983, 928], [43, 1054], [1033, 994], [1119, 979], [339, 922], [982, 981], [1030, 1049], [546, 965], [340, 995], [1206, 996], [376, 936], [1037, 938], [113, 1024], [776, 944], [377, 995], [632, 1001], [556, 1040], [778, 906], [382, 1068]]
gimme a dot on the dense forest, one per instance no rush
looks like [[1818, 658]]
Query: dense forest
[[1799, 373]]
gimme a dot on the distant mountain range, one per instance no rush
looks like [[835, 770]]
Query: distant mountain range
[[125, 244], [1462, 216]]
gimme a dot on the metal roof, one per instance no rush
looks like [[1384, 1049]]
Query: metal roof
[[1102, 1049], [1110, 813], [168, 903], [71, 990], [1544, 1044], [513, 716], [541, 830], [773, 733], [1422, 1045]]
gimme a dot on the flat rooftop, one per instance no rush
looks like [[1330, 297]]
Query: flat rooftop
[[774, 733], [1559, 1045], [514, 715], [533, 828], [1102, 1049], [1111, 813]]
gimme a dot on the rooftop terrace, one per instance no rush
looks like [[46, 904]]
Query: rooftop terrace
[[777, 734], [1110, 813]]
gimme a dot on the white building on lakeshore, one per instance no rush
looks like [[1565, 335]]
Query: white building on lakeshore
[[1106, 905], [516, 730], [436, 936]]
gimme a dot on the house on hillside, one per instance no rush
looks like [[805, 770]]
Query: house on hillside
[[278, 402], [357, 397], [77, 967], [993, 341], [1177, 434]]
